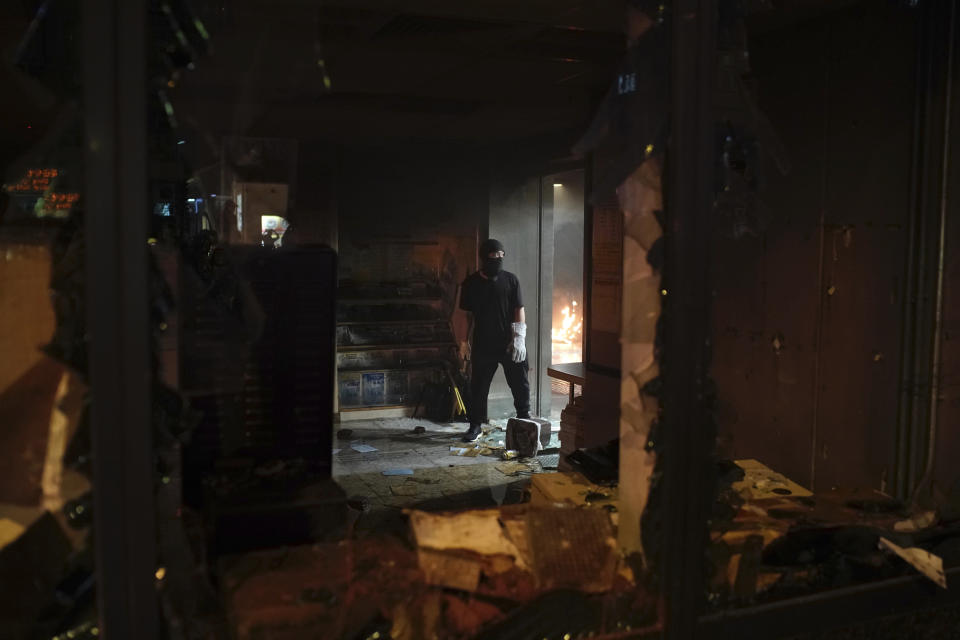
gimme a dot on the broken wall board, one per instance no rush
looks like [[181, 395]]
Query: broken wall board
[[64, 421], [478, 531], [762, 482], [544, 548], [569, 487], [640, 196], [923, 561]]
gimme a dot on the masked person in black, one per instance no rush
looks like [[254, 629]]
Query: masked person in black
[[492, 296]]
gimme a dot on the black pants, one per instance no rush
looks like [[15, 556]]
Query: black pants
[[516, 374]]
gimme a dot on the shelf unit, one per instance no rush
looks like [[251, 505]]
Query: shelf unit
[[389, 345]]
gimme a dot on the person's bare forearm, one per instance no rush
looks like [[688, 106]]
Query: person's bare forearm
[[518, 315]]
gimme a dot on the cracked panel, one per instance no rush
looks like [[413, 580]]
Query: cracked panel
[[640, 197]]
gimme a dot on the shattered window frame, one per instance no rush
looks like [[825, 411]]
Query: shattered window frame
[[684, 543]]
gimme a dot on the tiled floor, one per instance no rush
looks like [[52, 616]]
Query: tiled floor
[[436, 477]]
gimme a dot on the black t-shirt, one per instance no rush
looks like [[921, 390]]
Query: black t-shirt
[[492, 303]]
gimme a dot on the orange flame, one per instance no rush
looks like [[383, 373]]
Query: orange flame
[[570, 325]]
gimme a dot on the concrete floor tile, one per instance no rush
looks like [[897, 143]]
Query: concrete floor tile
[[441, 479], [380, 463], [433, 475]]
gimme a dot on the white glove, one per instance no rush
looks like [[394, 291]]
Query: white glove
[[518, 348]]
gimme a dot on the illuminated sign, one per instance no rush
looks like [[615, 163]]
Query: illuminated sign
[[36, 190], [62, 200], [36, 181]]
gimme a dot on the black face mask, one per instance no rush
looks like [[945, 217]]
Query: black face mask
[[492, 266]]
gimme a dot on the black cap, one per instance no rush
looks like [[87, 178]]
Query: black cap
[[631, 123], [489, 246]]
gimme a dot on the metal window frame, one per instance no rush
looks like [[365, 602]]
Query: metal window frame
[[689, 203], [115, 100]]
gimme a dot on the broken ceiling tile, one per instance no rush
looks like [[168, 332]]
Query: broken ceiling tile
[[572, 548]]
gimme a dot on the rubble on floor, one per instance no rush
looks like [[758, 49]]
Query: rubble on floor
[[784, 541], [545, 563], [464, 573], [423, 464], [434, 538], [547, 547], [333, 590], [448, 540]]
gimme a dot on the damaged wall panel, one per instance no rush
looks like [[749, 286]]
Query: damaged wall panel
[[868, 131], [641, 197], [808, 309], [766, 307]]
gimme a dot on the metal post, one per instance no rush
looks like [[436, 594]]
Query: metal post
[[115, 92], [926, 250], [685, 368]]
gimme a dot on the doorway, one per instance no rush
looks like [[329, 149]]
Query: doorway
[[565, 193], [540, 220]]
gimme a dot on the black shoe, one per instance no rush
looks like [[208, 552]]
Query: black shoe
[[524, 416], [473, 433]]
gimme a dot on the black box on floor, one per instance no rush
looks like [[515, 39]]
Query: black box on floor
[[528, 436]]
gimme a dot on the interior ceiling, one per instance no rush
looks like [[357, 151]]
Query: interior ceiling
[[471, 70], [483, 71], [467, 71]]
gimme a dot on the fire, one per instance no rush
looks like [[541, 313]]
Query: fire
[[570, 325]]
